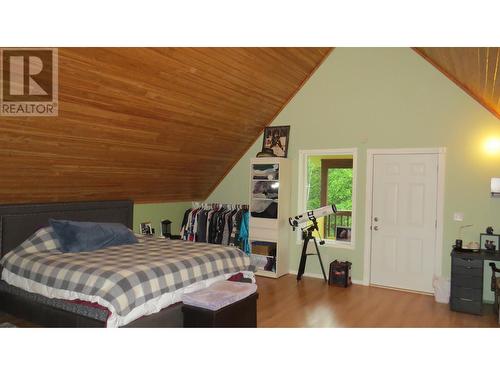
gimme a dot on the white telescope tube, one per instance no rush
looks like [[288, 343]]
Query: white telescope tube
[[310, 215]]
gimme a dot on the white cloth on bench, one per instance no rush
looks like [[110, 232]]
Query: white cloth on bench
[[219, 295]]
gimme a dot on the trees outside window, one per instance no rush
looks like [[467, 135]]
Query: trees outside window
[[330, 181]]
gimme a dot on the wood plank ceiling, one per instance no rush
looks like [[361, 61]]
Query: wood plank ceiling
[[475, 70], [148, 124]]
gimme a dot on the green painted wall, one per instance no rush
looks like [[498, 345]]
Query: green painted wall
[[387, 98], [156, 212]]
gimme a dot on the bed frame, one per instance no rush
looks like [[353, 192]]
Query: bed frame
[[18, 222]]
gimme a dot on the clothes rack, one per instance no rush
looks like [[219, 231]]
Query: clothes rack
[[219, 205], [219, 223]]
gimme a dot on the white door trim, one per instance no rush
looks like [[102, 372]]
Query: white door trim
[[370, 153]]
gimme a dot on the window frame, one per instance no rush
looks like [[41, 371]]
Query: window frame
[[302, 190]]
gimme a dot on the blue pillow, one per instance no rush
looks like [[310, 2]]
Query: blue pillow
[[78, 236]]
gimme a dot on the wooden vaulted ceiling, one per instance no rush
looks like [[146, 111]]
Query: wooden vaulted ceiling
[[167, 124], [148, 124], [476, 70]]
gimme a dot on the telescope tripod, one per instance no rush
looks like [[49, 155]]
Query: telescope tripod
[[307, 236]]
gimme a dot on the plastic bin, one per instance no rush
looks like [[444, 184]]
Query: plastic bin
[[441, 289]]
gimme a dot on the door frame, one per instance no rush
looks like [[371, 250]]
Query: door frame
[[438, 251]]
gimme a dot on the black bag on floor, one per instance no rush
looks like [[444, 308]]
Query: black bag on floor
[[340, 273]]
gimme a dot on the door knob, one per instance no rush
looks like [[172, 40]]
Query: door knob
[[375, 227], [375, 219]]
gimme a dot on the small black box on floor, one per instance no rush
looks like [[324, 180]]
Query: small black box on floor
[[340, 273], [241, 314]]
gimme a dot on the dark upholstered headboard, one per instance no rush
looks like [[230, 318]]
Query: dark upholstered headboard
[[18, 222]]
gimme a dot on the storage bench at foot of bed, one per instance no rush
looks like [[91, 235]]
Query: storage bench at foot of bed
[[240, 314]]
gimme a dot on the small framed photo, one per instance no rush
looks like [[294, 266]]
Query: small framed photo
[[343, 234], [276, 140], [489, 241], [147, 229]]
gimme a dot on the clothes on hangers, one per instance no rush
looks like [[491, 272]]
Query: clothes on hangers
[[201, 234], [219, 224], [235, 232], [227, 226], [244, 232]]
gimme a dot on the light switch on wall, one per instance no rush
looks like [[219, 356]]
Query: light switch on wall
[[458, 216]]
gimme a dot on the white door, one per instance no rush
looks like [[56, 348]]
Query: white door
[[404, 208]]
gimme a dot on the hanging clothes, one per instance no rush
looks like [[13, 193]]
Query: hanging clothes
[[201, 234], [218, 224], [244, 231], [227, 225], [184, 222], [235, 236]]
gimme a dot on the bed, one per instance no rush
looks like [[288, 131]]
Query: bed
[[32, 288]]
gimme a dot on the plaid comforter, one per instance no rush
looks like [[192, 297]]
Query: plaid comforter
[[124, 276]]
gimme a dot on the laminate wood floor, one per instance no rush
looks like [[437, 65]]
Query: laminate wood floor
[[313, 303], [6, 318]]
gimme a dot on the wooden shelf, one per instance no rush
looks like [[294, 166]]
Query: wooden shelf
[[276, 230], [266, 273]]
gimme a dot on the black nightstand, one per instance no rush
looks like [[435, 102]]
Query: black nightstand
[[467, 280]]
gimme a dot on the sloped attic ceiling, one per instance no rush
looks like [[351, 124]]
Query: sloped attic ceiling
[[148, 124], [473, 69]]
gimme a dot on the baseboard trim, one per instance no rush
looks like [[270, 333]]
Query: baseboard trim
[[320, 276], [403, 290]]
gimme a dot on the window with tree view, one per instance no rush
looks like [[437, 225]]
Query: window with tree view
[[330, 181]]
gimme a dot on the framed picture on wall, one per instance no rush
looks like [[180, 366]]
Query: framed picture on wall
[[147, 229], [489, 241], [276, 140]]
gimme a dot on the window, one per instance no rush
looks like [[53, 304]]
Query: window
[[328, 177]]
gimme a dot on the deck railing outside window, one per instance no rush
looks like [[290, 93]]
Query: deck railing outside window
[[340, 219]]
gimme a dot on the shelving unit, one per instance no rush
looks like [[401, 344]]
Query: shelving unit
[[269, 213]]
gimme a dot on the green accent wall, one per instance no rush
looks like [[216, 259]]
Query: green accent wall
[[156, 212], [387, 98]]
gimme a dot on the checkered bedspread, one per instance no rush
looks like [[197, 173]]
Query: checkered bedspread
[[125, 276]]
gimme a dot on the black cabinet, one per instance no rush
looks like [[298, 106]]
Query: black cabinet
[[466, 282]]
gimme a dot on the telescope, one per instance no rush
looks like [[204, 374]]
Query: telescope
[[312, 215], [307, 234]]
